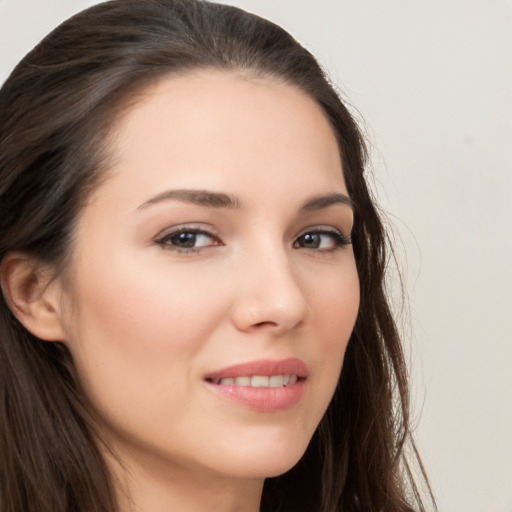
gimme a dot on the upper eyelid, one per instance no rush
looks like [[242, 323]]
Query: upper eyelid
[[196, 228], [164, 239], [209, 230], [324, 228], [325, 231], [320, 227]]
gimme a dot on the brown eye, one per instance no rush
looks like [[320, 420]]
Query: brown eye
[[310, 240], [321, 239], [187, 239], [184, 239]]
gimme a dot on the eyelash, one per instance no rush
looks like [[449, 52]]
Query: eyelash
[[166, 241], [339, 240]]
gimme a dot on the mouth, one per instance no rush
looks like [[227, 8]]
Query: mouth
[[263, 386], [258, 381]]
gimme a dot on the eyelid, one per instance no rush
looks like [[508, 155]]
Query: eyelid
[[163, 238], [341, 239], [323, 228], [198, 229], [195, 227]]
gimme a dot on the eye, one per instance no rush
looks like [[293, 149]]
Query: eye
[[322, 239], [187, 239]]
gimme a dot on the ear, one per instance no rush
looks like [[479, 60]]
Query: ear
[[32, 296]]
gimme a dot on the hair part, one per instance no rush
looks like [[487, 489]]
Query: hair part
[[57, 113]]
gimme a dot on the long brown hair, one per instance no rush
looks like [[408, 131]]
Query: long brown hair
[[56, 111]]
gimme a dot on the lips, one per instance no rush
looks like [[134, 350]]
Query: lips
[[259, 381], [264, 385], [265, 367]]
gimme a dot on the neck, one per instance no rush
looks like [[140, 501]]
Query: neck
[[161, 486]]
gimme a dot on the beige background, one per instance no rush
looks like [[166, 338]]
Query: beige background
[[433, 81]]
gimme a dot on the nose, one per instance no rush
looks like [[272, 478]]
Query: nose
[[269, 295]]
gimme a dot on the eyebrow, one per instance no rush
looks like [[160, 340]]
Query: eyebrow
[[211, 199], [198, 197], [324, 201]]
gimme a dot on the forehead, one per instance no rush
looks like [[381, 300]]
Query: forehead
[[208, 129]]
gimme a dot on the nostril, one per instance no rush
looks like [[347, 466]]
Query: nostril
[[263, 324]]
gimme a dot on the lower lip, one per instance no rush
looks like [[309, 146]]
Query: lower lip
[[263, 399]]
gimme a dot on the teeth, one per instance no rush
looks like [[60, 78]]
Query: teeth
[[276, 381], [260, 381]]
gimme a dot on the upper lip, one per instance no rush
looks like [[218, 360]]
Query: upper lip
[[264, 367]]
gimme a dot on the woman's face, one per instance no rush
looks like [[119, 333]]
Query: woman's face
[[214, 259]]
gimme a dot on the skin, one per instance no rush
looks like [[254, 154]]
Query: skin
[[145, 320]]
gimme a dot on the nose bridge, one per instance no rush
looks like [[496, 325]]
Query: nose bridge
[[270, 293]]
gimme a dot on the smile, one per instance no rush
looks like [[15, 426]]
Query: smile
[[259, 381], [265, 385]]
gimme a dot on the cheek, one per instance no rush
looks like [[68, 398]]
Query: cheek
[[159, 308], [342, 310], [137, 328], [334, 299], [334, 303]]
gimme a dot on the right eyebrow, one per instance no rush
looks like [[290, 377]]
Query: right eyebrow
[[205, 198]]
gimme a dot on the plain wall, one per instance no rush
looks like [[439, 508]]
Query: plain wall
[[433, 82]]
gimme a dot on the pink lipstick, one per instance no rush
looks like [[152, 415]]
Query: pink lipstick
[[265, 385]]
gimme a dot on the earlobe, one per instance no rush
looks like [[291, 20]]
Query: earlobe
[[31, 296]]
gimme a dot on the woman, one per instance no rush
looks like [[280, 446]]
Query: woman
[[193, 309]]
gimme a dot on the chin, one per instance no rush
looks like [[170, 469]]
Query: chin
[[265, 460]]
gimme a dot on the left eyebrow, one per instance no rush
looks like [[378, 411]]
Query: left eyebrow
[[324, 201]]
